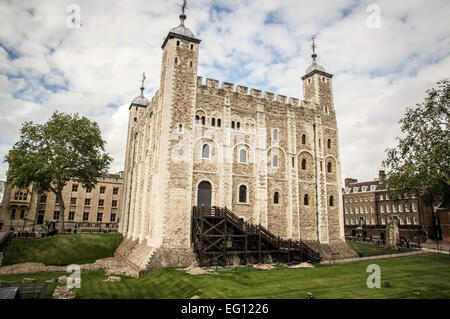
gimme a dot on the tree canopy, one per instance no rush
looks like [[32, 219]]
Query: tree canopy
[[420, 163], [67, 147]]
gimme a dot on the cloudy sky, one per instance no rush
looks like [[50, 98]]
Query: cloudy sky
[[380, 66]]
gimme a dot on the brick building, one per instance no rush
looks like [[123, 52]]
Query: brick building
[[272, 160], [98, 207], [367, 204]]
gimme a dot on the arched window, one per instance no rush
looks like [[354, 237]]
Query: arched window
[[238, 125], [180, 128], [213, 122], [191, 64], [306, 200], [192, 47], [329, 143], [275, 134], [176, 61], [219, 122], [276, 198], [293, 161], [242, 194], [275, 161], [203, 120], [232, 124], [16, 196], [303, 164], [178, 43], [331, 201], [242, 156], [205, 151], [304, 139], [329, 167], [20, 196], [197, 119]]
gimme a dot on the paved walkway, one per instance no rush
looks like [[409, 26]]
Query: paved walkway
[[348, 260], [430, 245]]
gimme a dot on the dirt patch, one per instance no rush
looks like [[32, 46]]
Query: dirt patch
[[302, 265], [64, 292], [192, 270], [264, 267], [113, 279]]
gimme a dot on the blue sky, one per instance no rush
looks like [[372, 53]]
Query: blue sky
[[262, 44]]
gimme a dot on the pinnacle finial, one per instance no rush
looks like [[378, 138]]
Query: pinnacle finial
[[314, 55]]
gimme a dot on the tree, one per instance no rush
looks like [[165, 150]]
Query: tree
[[420, 164], [47, 156]]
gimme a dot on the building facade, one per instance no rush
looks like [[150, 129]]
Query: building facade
[[272, 160], [99, 207], [367, 205]]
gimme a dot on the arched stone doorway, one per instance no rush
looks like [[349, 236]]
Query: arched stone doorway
[[204, 194]]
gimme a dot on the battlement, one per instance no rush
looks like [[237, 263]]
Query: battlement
[[243, 90]]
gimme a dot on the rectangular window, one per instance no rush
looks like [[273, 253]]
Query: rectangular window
[[366, 199], [87, 202], [346, 200], [408, 220], [75, 188], [416, 221], [43, 199], [13, 214], [73, 201], [56, 215], [114, 203], [400, 208], [407, 207], [394, 208], [115, 190], [22, 214], [388, 208], [99, 217], [71, 215], [371, 198], [102, 189], [113, 218], [346, 210], [382, 208], [351, 210], [381, 197], [414, 207], [85, 216], [101, 202], [383, 221]]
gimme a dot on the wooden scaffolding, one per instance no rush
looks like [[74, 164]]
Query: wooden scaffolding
[[220, 237]]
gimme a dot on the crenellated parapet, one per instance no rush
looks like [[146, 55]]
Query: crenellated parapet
[[213, 84]]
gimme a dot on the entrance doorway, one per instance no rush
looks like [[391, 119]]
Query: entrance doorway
[[204, 194]]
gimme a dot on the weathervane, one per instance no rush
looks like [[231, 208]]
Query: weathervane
[[143, 79], [183, 9], [184, 6], [314, 55]]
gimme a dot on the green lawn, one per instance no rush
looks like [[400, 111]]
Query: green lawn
[[425, 276], [370, 249], [62, 249]]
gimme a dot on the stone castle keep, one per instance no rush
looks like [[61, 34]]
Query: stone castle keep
[[270, 159]]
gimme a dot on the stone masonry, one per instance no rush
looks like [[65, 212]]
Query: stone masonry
[[271, 159]]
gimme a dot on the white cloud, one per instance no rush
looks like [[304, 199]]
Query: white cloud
[[263, 44]]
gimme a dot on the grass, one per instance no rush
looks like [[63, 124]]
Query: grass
[[425, 276], [369, 249], [62, 249]]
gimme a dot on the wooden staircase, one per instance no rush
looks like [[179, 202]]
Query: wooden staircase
[[218, 235]]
